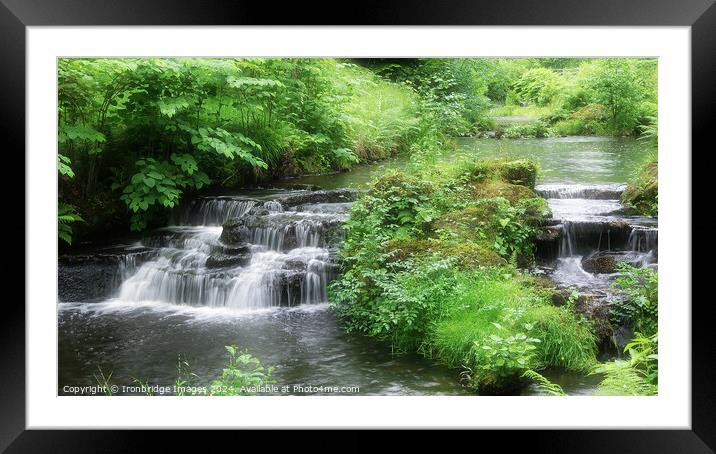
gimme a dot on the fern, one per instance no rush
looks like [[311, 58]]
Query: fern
[[637, 376], [66, 214], [543, 383], [623, 380]]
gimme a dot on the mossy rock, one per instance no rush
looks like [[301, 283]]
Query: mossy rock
[[395, 183], [642, 194], [468, 254], [499, 188], [476, 223], [521, 172]]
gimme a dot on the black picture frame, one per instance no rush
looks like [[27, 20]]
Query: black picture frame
[[16, 15]]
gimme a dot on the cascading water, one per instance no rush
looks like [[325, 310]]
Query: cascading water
[[593, 235], [277, 256]]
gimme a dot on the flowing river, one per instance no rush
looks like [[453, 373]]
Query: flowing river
[[192, 288]]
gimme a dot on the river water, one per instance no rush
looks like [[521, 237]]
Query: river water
[[183, 290]]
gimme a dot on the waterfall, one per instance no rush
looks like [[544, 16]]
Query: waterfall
[[581, 191], [591, 235], [282, 257], [643, 239], [214, 211]]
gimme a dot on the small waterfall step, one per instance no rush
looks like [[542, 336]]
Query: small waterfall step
[[93, 275], [581, 191], [568, 238]]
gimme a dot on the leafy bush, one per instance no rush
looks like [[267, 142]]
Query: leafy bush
[[539, 86], [537, 129], [640, 306], [242, 373]]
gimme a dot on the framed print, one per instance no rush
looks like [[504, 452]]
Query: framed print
[[433, 219]]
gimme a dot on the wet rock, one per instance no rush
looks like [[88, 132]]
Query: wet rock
[[622, 336], [227, 261], [285, 231], [595, 307], [305, 187], [605, 262], [547, 243], [295, 264], [321, 196], [290, 284], [236, 249], [585, 237], [599, 263], [94, 277]]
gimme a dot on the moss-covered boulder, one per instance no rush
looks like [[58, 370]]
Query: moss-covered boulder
[[467, 254], [521, 172], [478, 223], [500, 188], [642, 194]]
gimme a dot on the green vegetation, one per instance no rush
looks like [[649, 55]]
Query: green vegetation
[[241, 376], [609, 96], [642, 193], [544, 384], [640, 306], [638, 375], [430, 263], [136, 136]]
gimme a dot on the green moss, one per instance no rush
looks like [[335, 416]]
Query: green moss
[[521, 172], [642, 194], [467, 253], [499, 188], [478, 223]]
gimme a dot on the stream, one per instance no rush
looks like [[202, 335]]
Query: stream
[[192, 287]]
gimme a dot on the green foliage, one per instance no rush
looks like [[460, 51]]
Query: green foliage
[[537, 129], [540, 86], [104, 381], [520, 172], [636, 376], [453, 91], [422, 270], [615, 85], [160, 182], [504, 357], [157, 128], [63, 166], [66, 215], [242, 373], [544, 383], [642, 193], [568, 339], [607, 96], [640, 306]]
